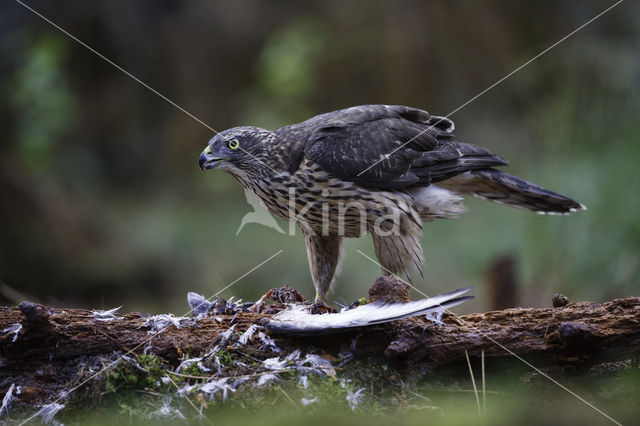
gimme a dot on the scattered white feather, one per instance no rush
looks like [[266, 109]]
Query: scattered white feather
[[211, 351], [354, 342], [354, 398], [266, 379], [269, 343], [49, 411], [304, 381], [217, 364], [345, 357], [248, 335], [167, 411], [435, 316], [227, 335], [318, 363], [8, 399], [189, 362], [293, 356], [106, 316], [15, 329], [274, 363], [306, 401], [298, 321], [211, 388], [186, 389], [199, 304], [237, 382], [158, 323], [134, 362]]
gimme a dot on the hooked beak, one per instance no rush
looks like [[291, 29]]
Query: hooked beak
[[208, 160]]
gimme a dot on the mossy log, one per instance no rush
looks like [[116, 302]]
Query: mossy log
[[578, 334]]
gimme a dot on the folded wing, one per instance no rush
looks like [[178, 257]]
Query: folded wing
[[392, 147]]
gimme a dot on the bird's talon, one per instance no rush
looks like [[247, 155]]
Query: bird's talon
[[319, 307]]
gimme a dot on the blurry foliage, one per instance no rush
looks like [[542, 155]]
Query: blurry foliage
[[286, 64], [103, 203], [286, 73], [40, 95]]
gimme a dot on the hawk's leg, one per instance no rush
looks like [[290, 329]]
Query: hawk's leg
[[399, 254], [325, 253]]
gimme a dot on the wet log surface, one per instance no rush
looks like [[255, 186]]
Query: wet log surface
[[51, 341]]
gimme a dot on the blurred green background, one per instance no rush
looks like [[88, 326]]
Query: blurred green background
[[103, 203]]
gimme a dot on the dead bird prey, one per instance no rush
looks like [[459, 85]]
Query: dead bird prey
[[375, 169]]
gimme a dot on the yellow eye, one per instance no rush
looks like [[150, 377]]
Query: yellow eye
[[233, 144]]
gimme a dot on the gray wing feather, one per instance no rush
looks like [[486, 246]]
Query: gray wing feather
[[410, 147], [298, 321]]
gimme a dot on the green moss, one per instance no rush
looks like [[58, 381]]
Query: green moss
[[144, 372], [193, 370], [225, 357]]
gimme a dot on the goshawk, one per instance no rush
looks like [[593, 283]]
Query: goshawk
[[375, 169]]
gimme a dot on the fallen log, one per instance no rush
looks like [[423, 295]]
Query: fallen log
[[38, 344]]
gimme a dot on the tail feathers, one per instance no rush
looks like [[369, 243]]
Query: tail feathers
[[501, 187]]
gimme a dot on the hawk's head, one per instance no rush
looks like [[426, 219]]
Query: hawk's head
[[238, 150]]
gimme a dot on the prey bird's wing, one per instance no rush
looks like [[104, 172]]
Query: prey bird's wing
[[298, 321], [405, 146]]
